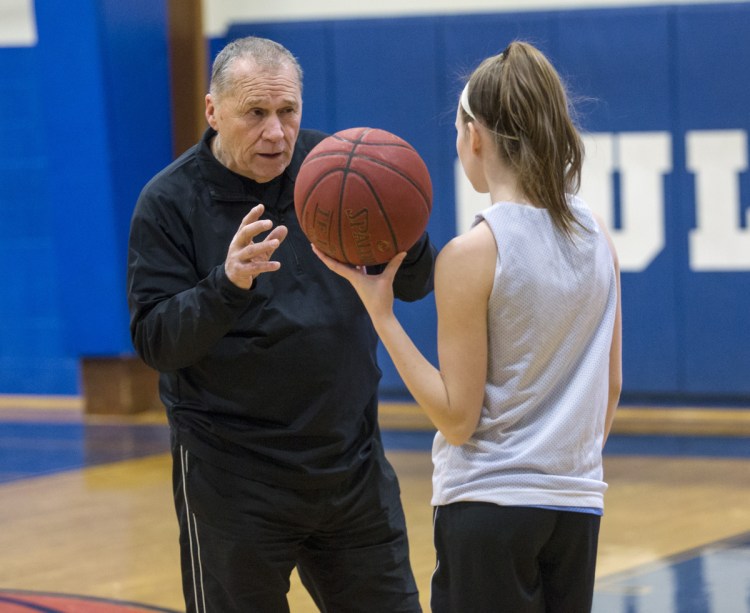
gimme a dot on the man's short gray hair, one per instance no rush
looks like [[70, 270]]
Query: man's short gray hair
[[267, 54]]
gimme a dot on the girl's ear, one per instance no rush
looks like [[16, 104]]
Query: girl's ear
[[475, 139]]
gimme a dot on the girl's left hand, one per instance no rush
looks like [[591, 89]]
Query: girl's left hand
[[375, 291]]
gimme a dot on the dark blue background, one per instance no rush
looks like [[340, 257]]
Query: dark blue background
[[86, 123]]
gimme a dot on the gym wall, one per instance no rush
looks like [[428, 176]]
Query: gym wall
[[662, 93]]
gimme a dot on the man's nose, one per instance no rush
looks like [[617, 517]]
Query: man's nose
[[273, 130]]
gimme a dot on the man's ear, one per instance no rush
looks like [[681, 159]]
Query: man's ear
[[210, 111]]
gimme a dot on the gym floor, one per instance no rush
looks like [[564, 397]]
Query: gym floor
[[88, 526]]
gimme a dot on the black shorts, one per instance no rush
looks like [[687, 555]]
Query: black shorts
[[240, 540], [495, 559]]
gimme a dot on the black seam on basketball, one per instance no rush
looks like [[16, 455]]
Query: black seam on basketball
[[314, 213], [359, 141], [381, 207], [398, 171], [345, 170], [312, 187], [324, 154]]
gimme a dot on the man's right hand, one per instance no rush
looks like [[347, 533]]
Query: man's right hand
[[247, 259]]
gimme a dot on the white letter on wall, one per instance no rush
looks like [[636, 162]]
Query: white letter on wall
[[17, 23], [642, 160], [718, 242]]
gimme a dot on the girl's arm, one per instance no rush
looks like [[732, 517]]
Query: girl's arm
[[615, 350], [451, 395]]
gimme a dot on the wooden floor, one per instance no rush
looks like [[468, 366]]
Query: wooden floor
[[109, 530]]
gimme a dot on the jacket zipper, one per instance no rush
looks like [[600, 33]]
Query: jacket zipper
[[289, 238]]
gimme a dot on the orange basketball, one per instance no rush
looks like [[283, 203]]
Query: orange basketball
[[363, 195]]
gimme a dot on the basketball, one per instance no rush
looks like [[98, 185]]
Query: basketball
[[363, 195]]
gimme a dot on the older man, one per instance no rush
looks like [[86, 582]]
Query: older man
[[268, 364]]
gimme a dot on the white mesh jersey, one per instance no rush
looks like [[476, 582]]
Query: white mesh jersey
[[550, 320]]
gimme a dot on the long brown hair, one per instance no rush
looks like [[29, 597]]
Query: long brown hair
[[519, 96]]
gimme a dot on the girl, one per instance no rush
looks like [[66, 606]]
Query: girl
[[529, 341]]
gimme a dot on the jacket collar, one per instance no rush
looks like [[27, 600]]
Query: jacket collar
[[224, 184], [227, 186]]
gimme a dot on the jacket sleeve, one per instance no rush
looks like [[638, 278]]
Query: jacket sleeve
[[415, 277], [176, 317]]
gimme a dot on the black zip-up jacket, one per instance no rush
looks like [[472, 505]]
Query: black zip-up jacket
[[279, 382]]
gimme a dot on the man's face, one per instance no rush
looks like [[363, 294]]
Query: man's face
[[258, 120]]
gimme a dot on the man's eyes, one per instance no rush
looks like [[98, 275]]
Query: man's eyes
[[262, 112]]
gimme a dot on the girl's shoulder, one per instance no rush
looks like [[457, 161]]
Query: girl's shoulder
[[469, 249]]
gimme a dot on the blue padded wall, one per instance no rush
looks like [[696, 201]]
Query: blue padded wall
[[647, 70], [32, 356], [622, 60], [86, 122], [108, 127], [712, 64]]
